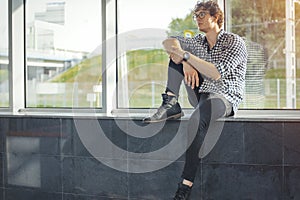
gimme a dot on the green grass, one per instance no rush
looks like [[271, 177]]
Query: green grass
[[87, 71], [3, 75], [277, 73]]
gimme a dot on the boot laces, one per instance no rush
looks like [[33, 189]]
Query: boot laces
[[166, 103]]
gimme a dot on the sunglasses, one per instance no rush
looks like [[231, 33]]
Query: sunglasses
[[201, 15]]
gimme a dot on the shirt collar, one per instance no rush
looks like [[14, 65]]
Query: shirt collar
[[221, 33]]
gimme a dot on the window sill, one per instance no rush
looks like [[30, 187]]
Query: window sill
[[139, 114]]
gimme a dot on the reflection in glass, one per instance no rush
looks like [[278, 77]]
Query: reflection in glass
[[63, 48], [4, 74], [263, 26], [24, 164]]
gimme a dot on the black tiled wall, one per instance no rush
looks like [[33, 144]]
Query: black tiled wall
[[87, 159]]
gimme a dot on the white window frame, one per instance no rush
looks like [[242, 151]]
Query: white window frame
[[16, 37], [17, 63]]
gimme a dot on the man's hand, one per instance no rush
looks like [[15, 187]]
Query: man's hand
[[191, 77], [176, 54], [173, 48]]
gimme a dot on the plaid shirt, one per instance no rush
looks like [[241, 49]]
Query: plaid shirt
[[229, 55]]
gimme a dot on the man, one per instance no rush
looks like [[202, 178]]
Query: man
[[212, 97]]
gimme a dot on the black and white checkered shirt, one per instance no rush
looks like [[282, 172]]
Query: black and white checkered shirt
[[229, 55]]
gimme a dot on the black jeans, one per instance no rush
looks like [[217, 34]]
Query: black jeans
[[208, 108], [175, 77]]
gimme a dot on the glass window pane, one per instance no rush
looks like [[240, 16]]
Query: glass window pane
[[142, 63], [4, 82], [263, 25], [63, 49]]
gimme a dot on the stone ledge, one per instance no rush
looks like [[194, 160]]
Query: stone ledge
[[139, 114]]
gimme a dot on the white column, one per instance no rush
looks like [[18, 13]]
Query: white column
[[16, 55], [109, 66], [290, 55], [123, 99]]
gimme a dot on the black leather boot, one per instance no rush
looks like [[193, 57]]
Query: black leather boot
[[183, 192], [169, 109]]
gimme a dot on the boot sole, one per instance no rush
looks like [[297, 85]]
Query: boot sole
[[177, 116]]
